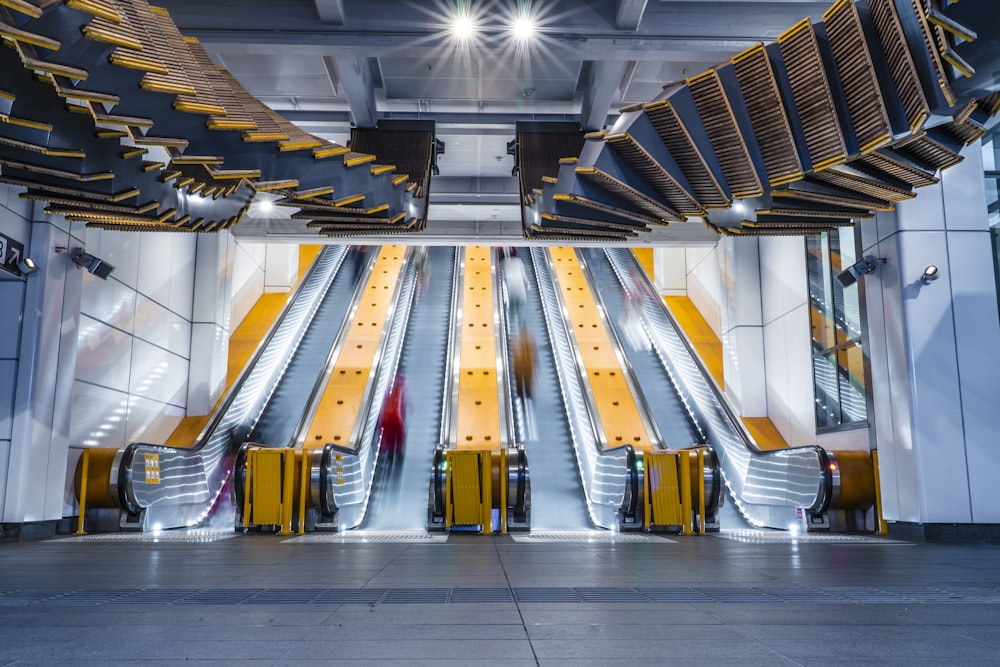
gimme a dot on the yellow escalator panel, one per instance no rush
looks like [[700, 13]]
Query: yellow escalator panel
[[466, 487], [664, 495]]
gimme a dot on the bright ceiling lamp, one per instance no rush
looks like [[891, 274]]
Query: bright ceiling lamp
[[463, 27], [523, 28]]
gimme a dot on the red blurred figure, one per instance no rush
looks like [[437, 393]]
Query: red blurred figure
[[394, 419]]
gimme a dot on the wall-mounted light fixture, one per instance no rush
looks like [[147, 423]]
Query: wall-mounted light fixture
[[27, 266], [859, 270], [931, 273], [93, 264]]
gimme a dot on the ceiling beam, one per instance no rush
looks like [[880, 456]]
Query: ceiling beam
[[330, 11], [600, 91], [355, 80], [628, 14]]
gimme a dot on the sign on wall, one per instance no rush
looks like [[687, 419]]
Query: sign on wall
[[11, 252]]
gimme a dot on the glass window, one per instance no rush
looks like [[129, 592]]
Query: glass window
[[835, 318]]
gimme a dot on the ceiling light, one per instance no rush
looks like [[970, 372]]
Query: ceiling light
[[523, 28], [266, 205], [463, 27]]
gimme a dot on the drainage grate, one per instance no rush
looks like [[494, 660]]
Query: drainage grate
[[416, 596], [546, 595], [352, 537], [798, 594], [465, 595], [770, 536], [153, 596], [89, 597], [586, 536], [739, 595], [907, 595], [668, 595], [220, 596], [351, 596], [284, 596], [610, 595]]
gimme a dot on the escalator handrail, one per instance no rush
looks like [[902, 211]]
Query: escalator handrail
[[449, 407]]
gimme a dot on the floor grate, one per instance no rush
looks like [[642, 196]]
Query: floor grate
[[416, 596], [474, 595], [585, 536], [903, 595], [351, 596], [546, 595], [352, 537]]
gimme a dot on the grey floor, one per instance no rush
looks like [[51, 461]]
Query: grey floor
[[268, 600]]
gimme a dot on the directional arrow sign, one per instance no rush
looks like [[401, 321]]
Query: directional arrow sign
[[11, 252]]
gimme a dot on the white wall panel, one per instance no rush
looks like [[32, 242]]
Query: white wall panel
[[8, 379], [214, 267], [209, 355], [182, 275], [743, 351], [120, 250], [965, 192], [783, 279], [151, 421], [155, 267], [108, 301], [98, 416], [11, 200], [104, 355], [849, 439], [281, 268], [703, 285], [158, 374], [788, 367], [933, 376], [739, 275], [11, 303], [977, 330], [670, 269], [159, 326], [245, 296]]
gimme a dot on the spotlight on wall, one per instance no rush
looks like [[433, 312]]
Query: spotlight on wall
[[858, 270], [931, 274], [93, 264], [27, 266]]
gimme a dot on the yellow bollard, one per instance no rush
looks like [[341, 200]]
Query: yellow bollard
[[701, 492], [684, 460], [247, 505], [287, 490], [303, 490], [83, 493], [883, 525]]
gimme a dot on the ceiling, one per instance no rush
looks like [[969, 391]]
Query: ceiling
[[329, 64]]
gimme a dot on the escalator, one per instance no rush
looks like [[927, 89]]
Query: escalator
[[777, 489], [160, 487], [541, 425], [282, 416], [672, 419], [399, 491]]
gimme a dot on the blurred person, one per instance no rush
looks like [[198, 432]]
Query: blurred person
[[393, 420], [524, 362], [423, 271], [517, 288]]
